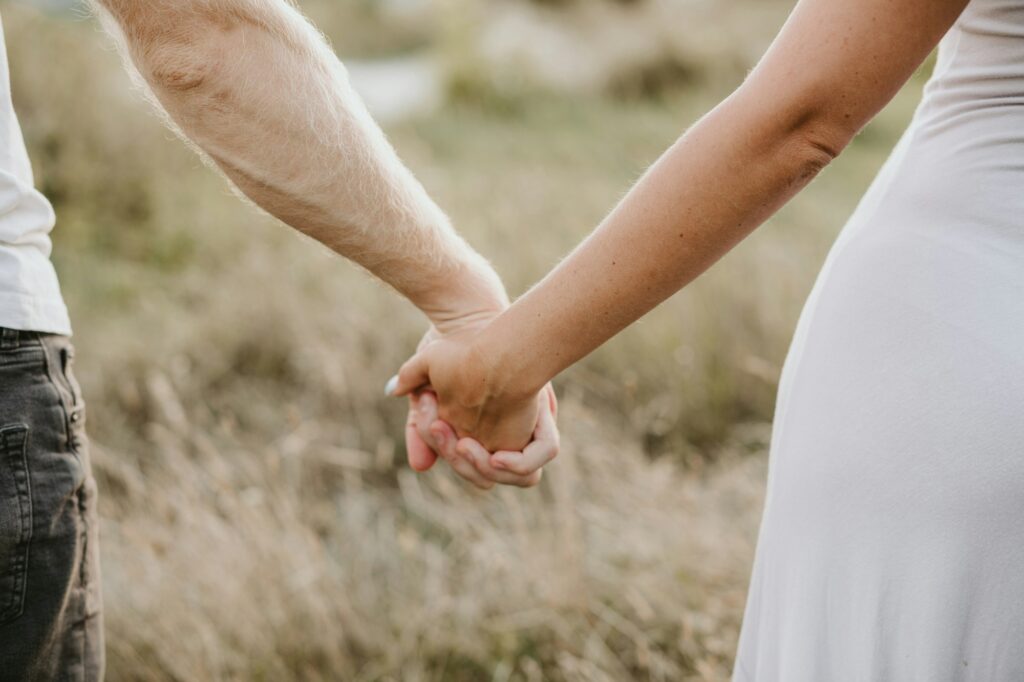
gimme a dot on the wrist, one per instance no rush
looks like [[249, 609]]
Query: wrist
[[510, 369], [468, 293]]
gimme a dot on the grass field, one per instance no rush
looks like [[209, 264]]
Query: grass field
[[258, 522]]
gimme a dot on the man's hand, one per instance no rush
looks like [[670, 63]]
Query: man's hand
[[472, 461], [428, 436], [473, 397]]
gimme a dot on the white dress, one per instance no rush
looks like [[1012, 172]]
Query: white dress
[[892, 543]]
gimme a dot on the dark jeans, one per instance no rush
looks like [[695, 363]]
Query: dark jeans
[[50, 622]]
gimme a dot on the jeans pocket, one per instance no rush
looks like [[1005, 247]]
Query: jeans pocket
[[15, 520]]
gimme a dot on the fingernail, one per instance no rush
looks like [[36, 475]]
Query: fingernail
[[498, 464], [389, 388]]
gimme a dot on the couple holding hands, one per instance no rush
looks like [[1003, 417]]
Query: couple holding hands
[[894, 408]]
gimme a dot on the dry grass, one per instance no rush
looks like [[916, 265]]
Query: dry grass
[[257, 520]]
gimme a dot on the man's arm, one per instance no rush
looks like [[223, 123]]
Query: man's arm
[[257, 89]]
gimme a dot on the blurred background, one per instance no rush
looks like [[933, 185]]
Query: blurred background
[[259, 522]]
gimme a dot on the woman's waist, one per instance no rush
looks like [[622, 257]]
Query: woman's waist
[[971, 170], [962, 197], [952, 262], [985, 204], [980, 127]]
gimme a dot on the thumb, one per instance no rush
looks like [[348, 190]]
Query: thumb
[[414, 374]]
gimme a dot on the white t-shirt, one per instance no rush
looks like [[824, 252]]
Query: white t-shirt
[[30, 296]]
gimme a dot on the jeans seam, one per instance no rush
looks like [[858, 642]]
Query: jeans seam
[[18, 565], [62, 386]]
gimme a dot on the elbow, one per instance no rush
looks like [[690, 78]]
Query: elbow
[[181, 61], [801, 130], [177, 74], [176, 47], [814, 152], [820, 147], [816, 142]]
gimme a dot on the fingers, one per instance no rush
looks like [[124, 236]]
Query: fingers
[[481, 460], [426, 414], [552, 400], [538, 453], [428, 437], [421, 456], [442, 439], [461, 465], [523, 469], [414, 374]]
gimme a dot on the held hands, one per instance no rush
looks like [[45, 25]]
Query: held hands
[[468, 458], [463, 410]]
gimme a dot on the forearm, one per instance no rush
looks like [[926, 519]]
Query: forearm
[[705, 194], [256, 88], [835, 64]]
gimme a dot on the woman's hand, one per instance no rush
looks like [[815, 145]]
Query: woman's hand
[[428, 437], [472, 461], [474, 395]]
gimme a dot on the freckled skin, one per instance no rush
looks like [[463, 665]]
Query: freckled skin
[[835, 64]]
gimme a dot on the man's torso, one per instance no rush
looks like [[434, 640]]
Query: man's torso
[[30, 297]]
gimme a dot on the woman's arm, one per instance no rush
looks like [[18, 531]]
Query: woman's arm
[[834, 65]]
